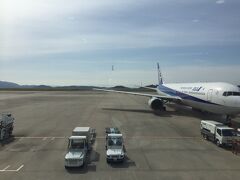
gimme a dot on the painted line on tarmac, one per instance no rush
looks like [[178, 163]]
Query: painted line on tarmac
[[20, 167], [156, 137], [104, 137], [11, 170], [164, 137], [39, 137], [5, 168]]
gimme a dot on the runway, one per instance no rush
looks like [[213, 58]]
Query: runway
[[159, 146]]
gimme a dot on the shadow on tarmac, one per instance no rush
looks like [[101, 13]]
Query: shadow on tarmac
[[89, 166], [7, 141], [125, 164], [179, 110], [82, 170], [94, 157], [167, 113], [157, 113]]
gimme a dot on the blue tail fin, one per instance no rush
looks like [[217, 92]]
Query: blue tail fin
[[160, 79]]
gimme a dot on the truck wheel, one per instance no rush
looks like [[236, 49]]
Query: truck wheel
[[84, 162], [218, 143], [10, 133], [107, 161], [205, 137]]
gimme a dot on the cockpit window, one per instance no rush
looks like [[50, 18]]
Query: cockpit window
[[231, 93]]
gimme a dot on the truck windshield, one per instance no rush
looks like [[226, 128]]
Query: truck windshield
[[76, 144], [227, 132], [115, 141]]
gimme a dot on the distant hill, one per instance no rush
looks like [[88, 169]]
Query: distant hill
[[10, 85], [36, 86], [5, 84], [119, 87], [74, 88]]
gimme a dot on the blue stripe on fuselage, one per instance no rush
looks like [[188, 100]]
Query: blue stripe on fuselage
[[172, 92]]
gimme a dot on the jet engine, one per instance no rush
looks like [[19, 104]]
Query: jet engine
[[156, 104]]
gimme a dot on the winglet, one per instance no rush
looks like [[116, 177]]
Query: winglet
[[160, 79]]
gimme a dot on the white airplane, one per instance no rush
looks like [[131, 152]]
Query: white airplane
[[215, 97]]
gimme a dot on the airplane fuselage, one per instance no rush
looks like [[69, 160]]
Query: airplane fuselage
[[220, 98]]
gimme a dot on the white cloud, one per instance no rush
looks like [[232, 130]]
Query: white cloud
[[21, 10], [195, 20], [45, 27], [16, 44], [220, 1]]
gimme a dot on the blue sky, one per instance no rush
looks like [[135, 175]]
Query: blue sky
[[58, 42]]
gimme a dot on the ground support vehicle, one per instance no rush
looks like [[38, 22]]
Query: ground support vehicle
[[115, 150], [217, 132], [6, 126], [79, 144], [112, 130]]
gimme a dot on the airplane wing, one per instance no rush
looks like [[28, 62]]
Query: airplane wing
[[149, 88], [168, 98]]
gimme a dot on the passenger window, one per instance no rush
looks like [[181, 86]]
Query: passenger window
[[231, 93], [219, 132], [236, 93]]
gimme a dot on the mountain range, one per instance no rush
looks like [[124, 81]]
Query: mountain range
[[11, 85]]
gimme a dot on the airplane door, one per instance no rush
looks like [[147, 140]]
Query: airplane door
[[209, 95]]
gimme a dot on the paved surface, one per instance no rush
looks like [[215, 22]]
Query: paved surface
[[166, 146]]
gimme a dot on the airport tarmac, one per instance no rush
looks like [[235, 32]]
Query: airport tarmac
[[165, 146]]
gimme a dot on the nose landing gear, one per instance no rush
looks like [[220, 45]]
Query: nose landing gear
[[228, 120]]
